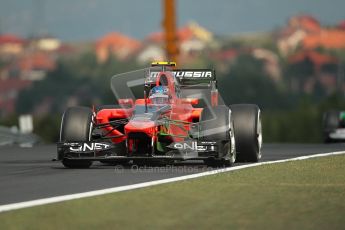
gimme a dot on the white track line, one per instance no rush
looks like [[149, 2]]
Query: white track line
[[26, 204]]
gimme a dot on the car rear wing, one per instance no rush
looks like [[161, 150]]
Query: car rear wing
[[190, 78], [189, 82], [197, 81]]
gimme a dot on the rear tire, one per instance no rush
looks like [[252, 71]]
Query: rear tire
[[216, 124], [76, 126], [247, 121]]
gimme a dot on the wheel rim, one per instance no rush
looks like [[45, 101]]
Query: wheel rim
[[232, 150], [259, 135], [91, 128], [233, 146], [61, 124]]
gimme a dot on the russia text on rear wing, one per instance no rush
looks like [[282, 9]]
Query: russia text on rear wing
[[203, 78]]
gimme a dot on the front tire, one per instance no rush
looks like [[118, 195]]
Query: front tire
[[247, 120], [76, 126]]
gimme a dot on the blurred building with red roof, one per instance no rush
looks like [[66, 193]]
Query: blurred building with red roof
[[305, 31], [117, 44], [290, 36], [11, 45], [192, 38], [304, 22], [34, 66], [325, 38]]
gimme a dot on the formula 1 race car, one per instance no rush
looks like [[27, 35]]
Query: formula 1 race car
[[334, 126], [180, 117]]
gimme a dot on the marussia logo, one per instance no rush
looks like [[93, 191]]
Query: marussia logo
[[185, 74], [193, 74], [87, 147]]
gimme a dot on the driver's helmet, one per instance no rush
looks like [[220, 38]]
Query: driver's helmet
[[159, 95]]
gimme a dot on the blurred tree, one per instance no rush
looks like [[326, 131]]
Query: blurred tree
[[246, 82], [58, 86], [297, 74]]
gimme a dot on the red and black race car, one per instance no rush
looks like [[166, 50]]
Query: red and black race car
[[179, 117]]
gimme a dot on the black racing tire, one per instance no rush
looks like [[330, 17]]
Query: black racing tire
[[248, 132], [216, 124], [76, 126], [331, 121]]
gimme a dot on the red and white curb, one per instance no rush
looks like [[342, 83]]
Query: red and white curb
[[32, 203]]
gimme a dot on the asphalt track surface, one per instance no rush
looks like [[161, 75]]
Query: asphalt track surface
[[29, 173]]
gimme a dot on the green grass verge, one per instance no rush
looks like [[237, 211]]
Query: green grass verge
[[307, 194]]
